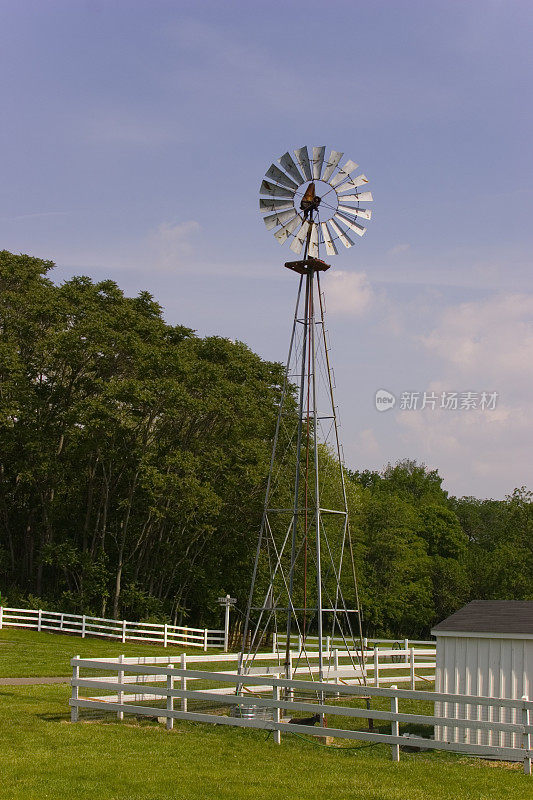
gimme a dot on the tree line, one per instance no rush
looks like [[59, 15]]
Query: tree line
[[133, 461]]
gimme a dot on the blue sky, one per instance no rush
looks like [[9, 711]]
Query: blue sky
[[135, 136]]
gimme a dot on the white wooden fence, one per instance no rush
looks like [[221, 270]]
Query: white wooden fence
[[124, 630], [311, 642], [256, 696]]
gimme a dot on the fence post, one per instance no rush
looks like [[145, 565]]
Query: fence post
[[526, 739], [1, 616], [165, 635], [336, 667], [170, 698], [183, 682], [277, 713], [83, 627], [39, 617], [376, 667], [406, 648], [120, 678], [123, 631], [74, 710], [205, 640], [274, 643], [328, 644], [61, 622], [365, 643], [300, 643], [395, 726], [412, 667]]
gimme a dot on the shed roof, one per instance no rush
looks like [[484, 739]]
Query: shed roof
[[491, 616]]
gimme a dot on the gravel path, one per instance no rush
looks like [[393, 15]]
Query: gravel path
[[31, 681]]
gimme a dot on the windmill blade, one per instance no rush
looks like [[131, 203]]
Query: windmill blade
[[313, 241], [345, 239], [286, 230], [356, 212], [281, 218], [299, 238], [352, 183], [290, 167], [277, 175], [343, 172], [275, 205], [331, 250], [318, 160], [303, 159], [359, 229], [333, 160], [357, 198], [274, 190]]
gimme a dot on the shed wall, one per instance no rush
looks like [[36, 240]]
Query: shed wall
[[486, 666]]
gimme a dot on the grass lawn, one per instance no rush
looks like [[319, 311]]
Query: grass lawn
[[26, 653], [45, 756]]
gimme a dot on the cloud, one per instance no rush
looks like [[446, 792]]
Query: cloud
[[490, 339], [367, 446], [398, 249], [485, 345], [37, 215], [348, 292], [171, 242]]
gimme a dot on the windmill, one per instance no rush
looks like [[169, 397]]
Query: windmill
[[303, 592]]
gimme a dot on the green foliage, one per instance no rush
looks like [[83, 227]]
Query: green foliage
[[134, 452]]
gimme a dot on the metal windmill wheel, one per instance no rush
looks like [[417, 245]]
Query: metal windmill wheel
[[313, 202]]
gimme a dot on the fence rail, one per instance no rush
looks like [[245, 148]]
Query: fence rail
[[248, 695], [123, 630]]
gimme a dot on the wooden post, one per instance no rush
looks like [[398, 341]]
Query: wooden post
[[300, 643], [226, 622], [170, 699], [395, 726], [74, 710], [376, 667], [205, 640], [39, 617], [277, 713], [526, 739], [120, 678], [61, 622], [412, 669], [1, 617], [406, 648], [165, 635], [123, 631], [83, 627], [328, 644], [183, 681], [274, 643]]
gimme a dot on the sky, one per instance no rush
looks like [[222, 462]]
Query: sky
[[135, 136]]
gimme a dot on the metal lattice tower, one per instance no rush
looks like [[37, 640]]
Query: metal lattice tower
[[304, 581]]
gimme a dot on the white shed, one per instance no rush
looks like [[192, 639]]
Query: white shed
[[484, 649]]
